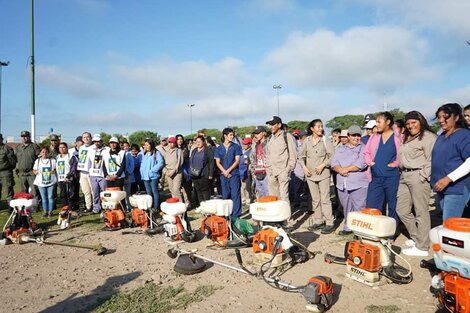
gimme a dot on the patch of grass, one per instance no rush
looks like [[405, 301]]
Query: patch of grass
[[382, 308], [154, 298]]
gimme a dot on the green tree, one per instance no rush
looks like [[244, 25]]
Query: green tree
[[344, 121], [105, 137], [139, 137], [398, 114], [300, 125]]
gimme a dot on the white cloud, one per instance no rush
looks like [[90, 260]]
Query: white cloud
[[189, 79], [74, 83], [450, 17], [381, 58]]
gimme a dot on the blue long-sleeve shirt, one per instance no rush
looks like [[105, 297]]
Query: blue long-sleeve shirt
[[151, 165]]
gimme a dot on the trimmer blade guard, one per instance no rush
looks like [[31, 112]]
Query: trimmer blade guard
[[187, 264]]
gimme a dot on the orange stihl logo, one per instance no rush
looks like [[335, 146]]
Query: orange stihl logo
[[362, 224]]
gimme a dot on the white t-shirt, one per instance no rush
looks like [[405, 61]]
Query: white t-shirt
[[83, 160], [45, 177], [95, 159], [63, 166], [113, 162]]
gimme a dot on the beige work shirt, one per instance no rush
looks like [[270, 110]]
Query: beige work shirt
[[312, 155], [173, 160], [279, 156], [417, 154]]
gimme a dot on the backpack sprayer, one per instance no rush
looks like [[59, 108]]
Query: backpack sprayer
[[451, 245], [370, 256], [114, 215], [217, 225], [318, 291], [21, 219], [271, 215], [176, 226]]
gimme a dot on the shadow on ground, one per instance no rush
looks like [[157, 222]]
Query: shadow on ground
[[97, 297]]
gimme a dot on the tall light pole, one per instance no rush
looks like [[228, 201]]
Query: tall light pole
[[277, 87], [33, 93], [2, 64], [190, 106]]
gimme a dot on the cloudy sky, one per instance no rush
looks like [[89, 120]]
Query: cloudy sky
[[121, 66]]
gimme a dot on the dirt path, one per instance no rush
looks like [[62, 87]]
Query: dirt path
[[61, 279]]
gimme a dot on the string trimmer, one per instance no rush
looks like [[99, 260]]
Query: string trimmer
[[25, 238], [318, 291]]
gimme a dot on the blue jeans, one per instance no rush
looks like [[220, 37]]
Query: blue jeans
[[453, 205], [151, 187], [47, 198]]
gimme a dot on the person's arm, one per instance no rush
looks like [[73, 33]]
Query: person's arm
[[122, 166], [158, 165], [368, 153], [292, 152], [238, 153], [428, 146], [234, 165], [210, 163]]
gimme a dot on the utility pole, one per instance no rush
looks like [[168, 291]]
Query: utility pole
[[2, 64], [277, 87], [190, 106], [33, 92]]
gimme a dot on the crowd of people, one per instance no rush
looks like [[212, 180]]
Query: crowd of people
[[392, 165]]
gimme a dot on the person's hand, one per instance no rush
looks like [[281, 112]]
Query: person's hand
[[343, 172], [319, 169], [226, 173], [442, 183], [307, 172], [392, 164]]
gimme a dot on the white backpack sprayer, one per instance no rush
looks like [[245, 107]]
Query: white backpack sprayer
[[271, 215], [114, 215], [20, 220], [176, 224], [451, 245], [369, 257], [217, 224]]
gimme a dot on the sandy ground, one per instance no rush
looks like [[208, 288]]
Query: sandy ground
[[61, 279]]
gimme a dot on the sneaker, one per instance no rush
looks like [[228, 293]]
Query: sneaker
[[315, 227], [413, 251], [410, 243], [345, 232], [328, 229], [44, 215]]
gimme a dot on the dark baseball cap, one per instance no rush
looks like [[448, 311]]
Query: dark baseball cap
[[368, 117], [275, 120], [25, 133], [259, 129], [54, 137]]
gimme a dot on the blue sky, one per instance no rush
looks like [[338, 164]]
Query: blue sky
[[121, 66]]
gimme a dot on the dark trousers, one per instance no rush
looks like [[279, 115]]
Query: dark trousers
[[231, 190], [67, 194], [202, 187], [296, 186], [384, 189], [8, 182]]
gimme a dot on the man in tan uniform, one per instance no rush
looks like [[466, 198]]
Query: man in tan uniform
[[281, 157], [173, 168]]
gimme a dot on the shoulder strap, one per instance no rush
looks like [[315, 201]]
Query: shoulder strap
[[285, 140]]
